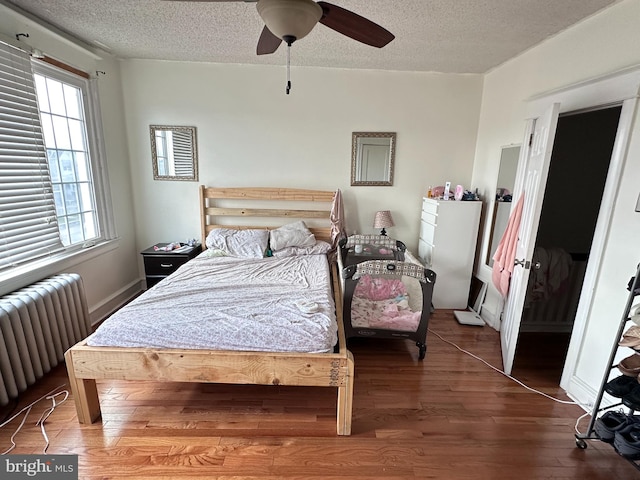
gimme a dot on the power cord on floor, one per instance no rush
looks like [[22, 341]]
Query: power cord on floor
[[565, 402], [578, 421], [41, 421]]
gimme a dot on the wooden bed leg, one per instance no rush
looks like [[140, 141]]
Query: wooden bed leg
[[85, 393], [345, 400]]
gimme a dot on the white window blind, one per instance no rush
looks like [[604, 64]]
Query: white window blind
[[28, 227], [183, 153]]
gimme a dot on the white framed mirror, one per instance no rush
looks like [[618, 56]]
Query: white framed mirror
[[174, 152], [502, 201], [372, 158]]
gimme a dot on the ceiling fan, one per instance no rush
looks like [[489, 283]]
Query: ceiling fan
[[291, 20]]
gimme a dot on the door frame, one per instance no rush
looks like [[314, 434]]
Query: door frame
[[623, 88]]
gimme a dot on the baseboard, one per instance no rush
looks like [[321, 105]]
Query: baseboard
[[112, 303], [584, 395], [491, 311], [490, 319]]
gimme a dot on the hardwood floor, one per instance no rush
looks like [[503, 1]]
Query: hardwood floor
[[447, 417]]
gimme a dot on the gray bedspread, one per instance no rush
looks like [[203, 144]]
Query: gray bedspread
[[225, 303]]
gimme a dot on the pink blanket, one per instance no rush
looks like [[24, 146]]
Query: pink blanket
[[383, 303], [376, 288]]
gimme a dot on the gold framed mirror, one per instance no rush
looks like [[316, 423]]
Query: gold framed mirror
[[174, 153], [372, 158]]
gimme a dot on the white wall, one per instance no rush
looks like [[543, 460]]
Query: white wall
[[108, 276], [600, 45], [250, 133]]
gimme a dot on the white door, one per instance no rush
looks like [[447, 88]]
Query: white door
[[531, 180]]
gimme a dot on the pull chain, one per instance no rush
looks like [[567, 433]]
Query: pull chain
[[288, 68], [289, 39]]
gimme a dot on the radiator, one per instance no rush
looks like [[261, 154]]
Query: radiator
[[38, 323], [558, 312]]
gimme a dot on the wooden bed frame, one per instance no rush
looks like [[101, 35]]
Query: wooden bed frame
[[86, 364]]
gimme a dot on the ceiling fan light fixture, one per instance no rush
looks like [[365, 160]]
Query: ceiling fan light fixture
[[291, 18]]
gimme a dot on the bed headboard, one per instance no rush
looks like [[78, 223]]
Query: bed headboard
[[268, 207]]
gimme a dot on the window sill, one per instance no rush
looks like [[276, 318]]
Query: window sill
[[21, 276]]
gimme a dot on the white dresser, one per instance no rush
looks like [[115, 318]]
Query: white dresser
[[447, 245]]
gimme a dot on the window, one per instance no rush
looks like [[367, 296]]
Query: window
[[53, 187], [164, 145], [65, 139]]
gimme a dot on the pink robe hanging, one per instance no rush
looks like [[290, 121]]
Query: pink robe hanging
[[336, 217], [503, 259]]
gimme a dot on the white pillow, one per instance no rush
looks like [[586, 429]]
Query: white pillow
[[320, 248], [239, 243], [292, 235]]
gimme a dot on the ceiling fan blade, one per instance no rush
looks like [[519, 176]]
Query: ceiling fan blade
[[354, 26], [268, 42]]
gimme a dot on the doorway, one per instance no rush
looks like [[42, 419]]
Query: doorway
[[580, 160]]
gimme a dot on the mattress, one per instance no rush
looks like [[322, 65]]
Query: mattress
[[227, 303]]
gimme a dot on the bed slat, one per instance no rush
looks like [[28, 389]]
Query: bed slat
[[266, 212], [263, 193]]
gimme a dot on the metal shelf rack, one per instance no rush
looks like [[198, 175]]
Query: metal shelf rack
[[590, 434]]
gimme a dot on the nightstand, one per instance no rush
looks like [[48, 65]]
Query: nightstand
[[159, 264]]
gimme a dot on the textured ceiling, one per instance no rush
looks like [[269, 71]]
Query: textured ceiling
[[451, 36]]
